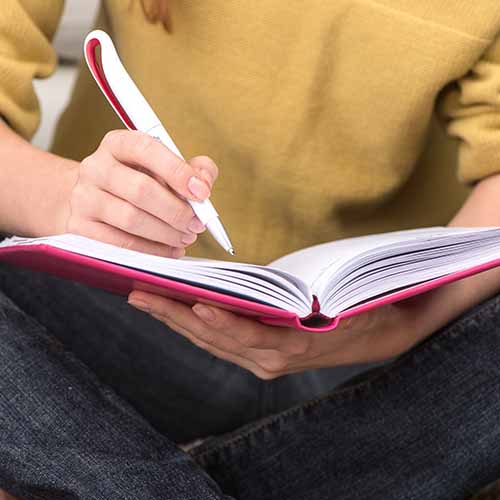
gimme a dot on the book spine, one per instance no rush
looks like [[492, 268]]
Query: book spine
[[316, 321], [316, 306]]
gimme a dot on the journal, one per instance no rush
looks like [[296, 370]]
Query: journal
[[311, 289]]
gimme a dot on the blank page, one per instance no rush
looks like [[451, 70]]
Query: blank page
[[273, 287]]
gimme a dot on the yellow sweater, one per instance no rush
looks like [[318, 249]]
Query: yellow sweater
[[327, 119]]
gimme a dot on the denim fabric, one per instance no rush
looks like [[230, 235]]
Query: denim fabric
[[165, 377], [63, 435], [423, 427]]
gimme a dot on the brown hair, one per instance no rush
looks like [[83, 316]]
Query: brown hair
[[157, 10]]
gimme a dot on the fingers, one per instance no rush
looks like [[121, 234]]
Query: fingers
[[212, 349], [137, 186], [263, 362], [183, 316], [140, 189], [136, 148], [5, 496], [181, 320], [102, 206], [250, 334], [246, 342], [206, 168], [108, 234], [234, 333]]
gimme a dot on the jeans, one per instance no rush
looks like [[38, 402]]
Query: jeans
[[94, 396]]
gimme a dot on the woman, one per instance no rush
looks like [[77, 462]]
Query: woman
[[327, 120]]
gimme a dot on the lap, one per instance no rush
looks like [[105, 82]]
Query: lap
[[424, 426], [410, 430], [64, 434], [182, 390]]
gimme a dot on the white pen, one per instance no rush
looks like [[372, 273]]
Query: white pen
[[135, 112]]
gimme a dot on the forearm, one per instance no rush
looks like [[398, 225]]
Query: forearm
[[34, 187], [482, 208]]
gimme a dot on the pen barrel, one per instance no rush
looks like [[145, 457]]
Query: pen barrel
[[204, 210], [159, 132]]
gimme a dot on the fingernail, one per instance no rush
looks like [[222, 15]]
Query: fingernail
[[207, 176], [187, 239], [177, 253], [196, 225], [199, 188], [203, 312], [139, 304]]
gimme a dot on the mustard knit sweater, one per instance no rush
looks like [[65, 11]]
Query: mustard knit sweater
[[327, 119]]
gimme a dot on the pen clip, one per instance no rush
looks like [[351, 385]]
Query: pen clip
[[116, 84], [99, 76]]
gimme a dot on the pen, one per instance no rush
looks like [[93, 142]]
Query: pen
[[135, 112]]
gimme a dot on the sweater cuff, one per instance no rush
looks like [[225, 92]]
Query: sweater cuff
[[470, 109]]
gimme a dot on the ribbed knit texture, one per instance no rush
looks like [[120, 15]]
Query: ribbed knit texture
[[327, 119]]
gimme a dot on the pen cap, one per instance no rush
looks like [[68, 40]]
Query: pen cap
[[121, 91], [116, 84]]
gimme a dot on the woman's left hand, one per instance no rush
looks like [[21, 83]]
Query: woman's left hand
[[377, 335], [270, 352]]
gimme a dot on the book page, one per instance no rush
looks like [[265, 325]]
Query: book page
[[387, 269], [341, 273], [309, 263], [259, 283]]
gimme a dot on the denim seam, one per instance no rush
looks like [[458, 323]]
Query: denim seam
[[33, 326], [386, 374], [7, 303]]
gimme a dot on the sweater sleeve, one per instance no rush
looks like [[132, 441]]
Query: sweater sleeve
[[26, 31], [471, 110]]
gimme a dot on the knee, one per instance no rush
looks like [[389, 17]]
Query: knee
[[16, 327]]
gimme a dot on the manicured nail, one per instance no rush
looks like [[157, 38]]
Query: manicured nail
[[207, 176], [139, 304], [187, 239], [196, 225], [177, 253], [199, 188], [203, 312]]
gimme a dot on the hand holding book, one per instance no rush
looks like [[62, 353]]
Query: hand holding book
[[376, 335], [270, 352], [347, 294]]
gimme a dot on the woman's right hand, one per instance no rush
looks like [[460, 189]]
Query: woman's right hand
[[132, 191]]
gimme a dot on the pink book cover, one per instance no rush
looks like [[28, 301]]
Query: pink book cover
[[122, 280]]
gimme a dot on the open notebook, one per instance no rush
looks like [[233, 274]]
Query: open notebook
[[312, 289]]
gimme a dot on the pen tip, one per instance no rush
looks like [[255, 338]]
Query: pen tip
[[231, 251]]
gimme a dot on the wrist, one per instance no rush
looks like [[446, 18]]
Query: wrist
[[48, 215], [436, 308], [35, 187], [61, 208]]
